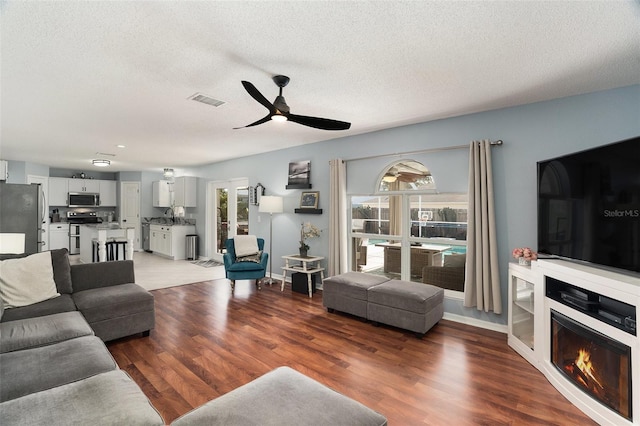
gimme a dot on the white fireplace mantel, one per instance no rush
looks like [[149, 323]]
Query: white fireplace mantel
[[619, 286]]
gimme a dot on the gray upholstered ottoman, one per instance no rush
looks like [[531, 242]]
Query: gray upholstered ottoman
[[348, 292], [405, 304], [282, 397]]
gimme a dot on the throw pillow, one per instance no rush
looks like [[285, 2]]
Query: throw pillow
[[455, 260], [257, 257], [27, 280], [244, 245]]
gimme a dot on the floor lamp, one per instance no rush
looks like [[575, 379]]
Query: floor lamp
[[270, 204]]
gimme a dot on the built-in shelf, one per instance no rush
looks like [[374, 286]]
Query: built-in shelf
[[299, 186], [308, 211]]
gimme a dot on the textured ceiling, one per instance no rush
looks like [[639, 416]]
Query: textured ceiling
[[81, 77]]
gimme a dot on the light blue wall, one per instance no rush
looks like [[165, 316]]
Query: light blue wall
[[530, 133]]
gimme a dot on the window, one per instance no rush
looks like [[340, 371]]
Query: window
[[407, 225]]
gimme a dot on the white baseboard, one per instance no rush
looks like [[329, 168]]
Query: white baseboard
[[500, 328]]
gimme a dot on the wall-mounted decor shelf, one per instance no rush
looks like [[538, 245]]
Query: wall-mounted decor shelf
[[298, 186], [308, 211]]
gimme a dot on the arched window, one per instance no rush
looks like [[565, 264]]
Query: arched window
[[406, 175]]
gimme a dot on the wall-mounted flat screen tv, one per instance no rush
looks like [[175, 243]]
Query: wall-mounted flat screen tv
[[589, 205]]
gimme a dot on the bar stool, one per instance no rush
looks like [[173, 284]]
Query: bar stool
[[113, 249]]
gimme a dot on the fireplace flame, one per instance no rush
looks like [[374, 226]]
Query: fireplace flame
[[583, 363]]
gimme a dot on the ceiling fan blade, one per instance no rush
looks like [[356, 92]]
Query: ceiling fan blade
[[319, 123], [262, 120], [255, 94]]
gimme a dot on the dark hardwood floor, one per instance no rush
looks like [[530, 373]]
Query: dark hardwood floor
[[208, 342]]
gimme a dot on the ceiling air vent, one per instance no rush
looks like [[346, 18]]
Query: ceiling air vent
[[201, 97]]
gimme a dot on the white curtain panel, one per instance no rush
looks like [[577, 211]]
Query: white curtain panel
[[482, 279], [338, 242]]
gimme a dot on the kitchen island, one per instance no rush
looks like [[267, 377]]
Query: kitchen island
[[103, 233]]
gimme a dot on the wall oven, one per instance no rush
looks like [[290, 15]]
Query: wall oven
[[84, 199]]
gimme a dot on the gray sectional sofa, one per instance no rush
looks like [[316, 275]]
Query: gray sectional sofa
[[54, 365], [56, 370]]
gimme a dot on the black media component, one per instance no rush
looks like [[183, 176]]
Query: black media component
[[610, 311]]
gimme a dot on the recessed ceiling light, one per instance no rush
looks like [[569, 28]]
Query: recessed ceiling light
[[101, 163], [120, 146]]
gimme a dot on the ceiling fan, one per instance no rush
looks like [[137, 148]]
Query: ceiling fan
[[279, 110]]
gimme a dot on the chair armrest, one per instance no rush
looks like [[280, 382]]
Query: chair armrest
[[264, 260], [87, 276], [228, 260]]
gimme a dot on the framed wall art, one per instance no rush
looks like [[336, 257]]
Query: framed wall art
[[299, 175], [309, 199]]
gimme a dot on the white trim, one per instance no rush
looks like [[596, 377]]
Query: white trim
[[500, 328]]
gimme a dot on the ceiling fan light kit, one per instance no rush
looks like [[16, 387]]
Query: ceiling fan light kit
[[279, 118], [279, 110]]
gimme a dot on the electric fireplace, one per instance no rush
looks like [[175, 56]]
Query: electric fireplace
[[593, 362]]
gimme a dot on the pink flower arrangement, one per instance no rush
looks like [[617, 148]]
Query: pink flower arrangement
[[525, 252]]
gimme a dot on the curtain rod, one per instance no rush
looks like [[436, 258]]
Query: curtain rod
[[423, 151]]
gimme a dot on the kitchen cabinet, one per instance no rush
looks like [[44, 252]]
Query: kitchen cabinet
[[169, 240], [108, 193], [58, 236], [185, 189], [58, 191], [84, 185], [162, 193]]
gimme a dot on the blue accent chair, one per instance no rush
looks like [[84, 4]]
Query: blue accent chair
[[244, 270]]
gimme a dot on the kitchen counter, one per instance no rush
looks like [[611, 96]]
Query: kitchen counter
[[112, 225], [103, 232]]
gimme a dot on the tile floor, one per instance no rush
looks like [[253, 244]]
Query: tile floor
[[153, 272]]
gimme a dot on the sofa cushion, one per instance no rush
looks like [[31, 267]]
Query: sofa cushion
[[245, 266], [352, 284], [103, 303], [33, 370], [42, 331], [86, 276], [455, 260], [407, 296], [62, 303], [27, 280], [294, 399], [61, 270], [107, 398]]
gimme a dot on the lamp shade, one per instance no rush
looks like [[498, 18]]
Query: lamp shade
[[11, 243], [270, 204]]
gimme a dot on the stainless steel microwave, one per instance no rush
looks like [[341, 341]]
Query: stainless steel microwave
[[84, 199]]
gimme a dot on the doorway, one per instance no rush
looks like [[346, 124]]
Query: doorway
[[227, 214], [130, 209]]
